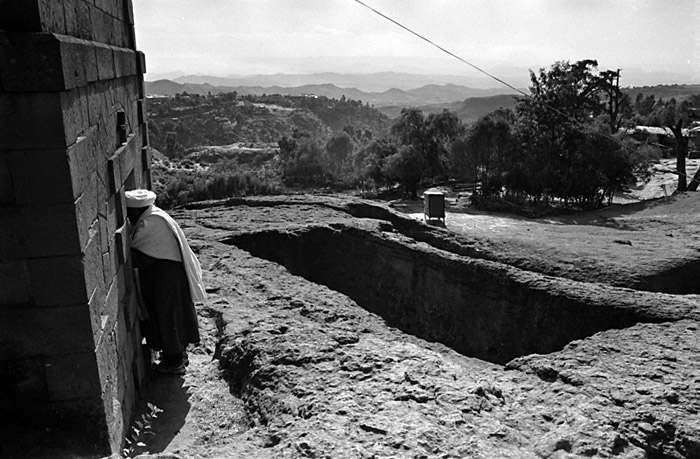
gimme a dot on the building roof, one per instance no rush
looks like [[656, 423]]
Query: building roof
[[656, 130]]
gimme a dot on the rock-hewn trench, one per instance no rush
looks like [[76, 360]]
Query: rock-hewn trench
[[592, 370], [479, 308]]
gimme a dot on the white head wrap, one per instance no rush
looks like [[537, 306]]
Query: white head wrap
[[139, 198]]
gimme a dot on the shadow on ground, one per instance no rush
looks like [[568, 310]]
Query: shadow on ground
[[169, 393]]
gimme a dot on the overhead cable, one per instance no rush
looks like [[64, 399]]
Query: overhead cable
[[508, 85]]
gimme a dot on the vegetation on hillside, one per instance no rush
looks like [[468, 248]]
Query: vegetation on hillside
[[569, 143], [179, 124]]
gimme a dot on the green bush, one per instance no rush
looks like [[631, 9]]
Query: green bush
[[187, 187]]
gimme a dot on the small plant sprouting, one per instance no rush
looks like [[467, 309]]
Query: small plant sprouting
[[140, 432]]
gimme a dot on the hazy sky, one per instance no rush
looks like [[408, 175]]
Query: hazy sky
[[227, 37]]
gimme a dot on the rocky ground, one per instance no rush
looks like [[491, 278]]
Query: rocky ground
[[290, 368]]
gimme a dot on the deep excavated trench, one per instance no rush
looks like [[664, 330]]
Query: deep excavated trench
[[479, 308]]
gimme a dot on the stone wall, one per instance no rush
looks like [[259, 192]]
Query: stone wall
[[72, 140]]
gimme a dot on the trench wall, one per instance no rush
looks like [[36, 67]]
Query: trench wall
[[479, 308], [72, 140]]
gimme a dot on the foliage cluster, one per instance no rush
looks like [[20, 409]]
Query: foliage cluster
[[568, 142], [223, 180], [178, 124]]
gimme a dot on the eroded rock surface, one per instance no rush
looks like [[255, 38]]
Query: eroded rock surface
[[320, 376]]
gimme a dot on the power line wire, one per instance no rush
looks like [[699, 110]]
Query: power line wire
[[519, 91]]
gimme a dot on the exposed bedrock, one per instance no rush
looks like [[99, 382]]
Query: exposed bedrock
[[601, 371], [322, 377], [479, 308]]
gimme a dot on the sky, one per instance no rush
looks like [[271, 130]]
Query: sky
[[246, 37]]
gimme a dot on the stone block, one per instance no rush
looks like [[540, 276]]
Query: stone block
[[102, 196], [86, 211], [128, 12], [127, 156], [78, 18], [124, 62], [24, 380], [125, 345], [101, 23], [79, 62], [46, 62], [32, 62], [95, 305], [114, 258], [119, 37], [57, 281], [70, 9], [36, 121], [82, 161], [92, 264], [72, 376], [50, 230], [130, 34], [38, 231], [106, 137], [52, 16], [12, 244], [111, 215], [90, 62], [45, 185], [122, 244], [28, 331], [96, 105], [105, 61], [110, 308], [76, 119], [13, 279], [7, 194], [42, 120], [83, 13], [104, 5], [108, 267]]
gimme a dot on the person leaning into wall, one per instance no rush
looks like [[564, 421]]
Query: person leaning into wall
[[170, 280]]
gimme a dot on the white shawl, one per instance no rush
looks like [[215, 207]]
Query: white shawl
[[155, 243]]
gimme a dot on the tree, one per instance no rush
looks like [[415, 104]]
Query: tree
[[674, 116], [406, 167], [430, 136], [369, 162], [566, 150], [338, 149], [300, 160], [489, 143], [618, 102]]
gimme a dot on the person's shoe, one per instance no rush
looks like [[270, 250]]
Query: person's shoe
[[174, 368]]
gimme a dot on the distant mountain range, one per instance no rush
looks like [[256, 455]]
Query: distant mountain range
[[371, 82], [392, 91], [429, 94]]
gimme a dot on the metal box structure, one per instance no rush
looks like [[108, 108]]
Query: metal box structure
[[434, 205]]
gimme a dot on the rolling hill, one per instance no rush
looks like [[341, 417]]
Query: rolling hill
[[424, 95]]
